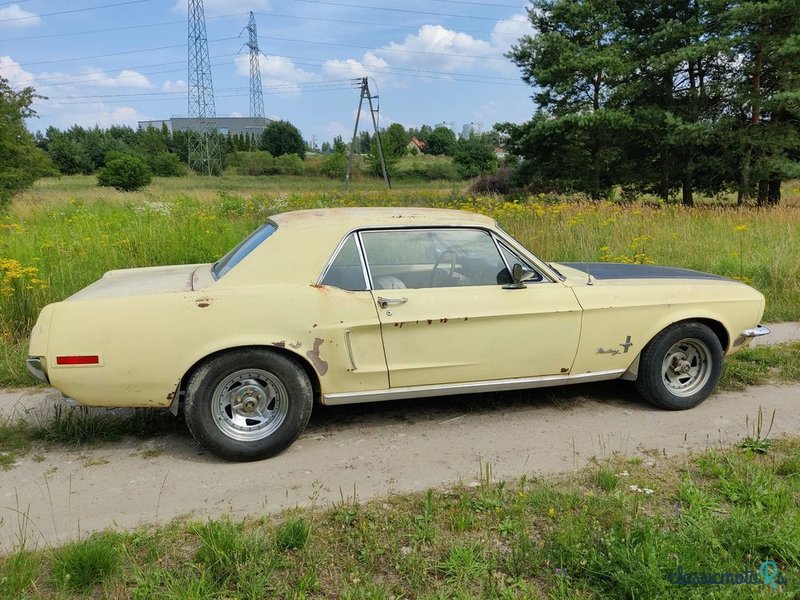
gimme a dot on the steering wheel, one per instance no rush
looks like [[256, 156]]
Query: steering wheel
[[439, 257]]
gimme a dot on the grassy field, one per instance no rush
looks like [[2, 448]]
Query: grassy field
[[65, 233], [619, 528]]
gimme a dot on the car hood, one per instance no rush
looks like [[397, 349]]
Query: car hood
[[147, 281], [578, 272]]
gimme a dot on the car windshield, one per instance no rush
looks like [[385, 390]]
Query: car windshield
[[245, 247]]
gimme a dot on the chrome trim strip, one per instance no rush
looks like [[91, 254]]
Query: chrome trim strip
[[35, 368], [363, 257], [755, 332], [349, 350], [451, 389]]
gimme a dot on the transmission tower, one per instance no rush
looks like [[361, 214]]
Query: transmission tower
[[256, 94], [363, 83], [203, 141]]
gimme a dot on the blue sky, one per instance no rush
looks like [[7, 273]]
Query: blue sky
[[430, 61]]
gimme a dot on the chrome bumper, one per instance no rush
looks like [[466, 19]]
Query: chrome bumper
[[35, 368], [755, 332]]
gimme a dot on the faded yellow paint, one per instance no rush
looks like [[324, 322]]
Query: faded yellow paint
[[150, 326]]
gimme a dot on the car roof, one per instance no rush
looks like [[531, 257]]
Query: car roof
[[352, 218]]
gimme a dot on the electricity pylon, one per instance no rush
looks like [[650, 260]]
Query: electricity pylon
[[363, 83], [204, 150], [256, 93]]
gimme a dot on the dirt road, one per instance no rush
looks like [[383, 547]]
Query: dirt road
[[369, 450]]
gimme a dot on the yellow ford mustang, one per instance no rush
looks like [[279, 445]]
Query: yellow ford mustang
[[366, 304]]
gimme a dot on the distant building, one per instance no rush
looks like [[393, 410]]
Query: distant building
[[417, 144], [471, 129], [224, 125], [449, 125]]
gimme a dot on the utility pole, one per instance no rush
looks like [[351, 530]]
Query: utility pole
[[204, 155], [363, 83], [256, 93]]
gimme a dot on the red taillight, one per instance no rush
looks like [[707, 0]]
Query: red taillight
[[78, 360]]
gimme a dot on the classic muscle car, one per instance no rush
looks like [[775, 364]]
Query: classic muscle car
[[357, 305]]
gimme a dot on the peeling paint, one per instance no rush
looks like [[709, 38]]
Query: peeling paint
[[443, 320], [295, 345], [203, 302], [170, 396], [313, 355], [280, 344], [203, 305], [564, 370], [430, 321]]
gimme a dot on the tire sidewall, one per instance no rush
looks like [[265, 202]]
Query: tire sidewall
[[650, 381], [208, 377]]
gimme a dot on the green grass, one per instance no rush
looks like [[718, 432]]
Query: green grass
[[79, 566], [65, 233], [763, 364], [570, 536], [81, 426]]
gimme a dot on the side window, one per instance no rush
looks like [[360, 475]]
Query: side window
[[425, 258], [346, 271], [512, 257]]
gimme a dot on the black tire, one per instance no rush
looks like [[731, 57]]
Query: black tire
[[248, 404], [680, 367]]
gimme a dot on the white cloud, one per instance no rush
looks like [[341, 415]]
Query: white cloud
[[437, 48], [335, 128], [507, 32], [368, 66], [14, 16], [235, 113], [277, 72], [178, 85], [16, 75], [225, 7], [486, 110], [126, 78], [98, 113]]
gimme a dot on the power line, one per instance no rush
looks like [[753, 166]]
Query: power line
[[400, 10], [489, 4], [373, 49], [74, 10]]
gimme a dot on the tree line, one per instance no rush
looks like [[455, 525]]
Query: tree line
[[669, 98]]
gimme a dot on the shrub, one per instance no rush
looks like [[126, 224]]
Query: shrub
[[441, 170], [289, 164], [166, 164], [334, 165], [126, 173], [80, 565], [493, 183], [254, 163]]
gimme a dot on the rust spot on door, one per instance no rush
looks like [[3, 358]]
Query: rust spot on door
[[564, 370], [443, 320], [430, 321], [313, 355]]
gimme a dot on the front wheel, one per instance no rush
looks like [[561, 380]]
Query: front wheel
[[248, 404], [680, 367]]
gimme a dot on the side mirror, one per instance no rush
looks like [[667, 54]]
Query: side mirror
[[516, 278]]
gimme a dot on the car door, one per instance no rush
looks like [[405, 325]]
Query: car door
[[446, 316]]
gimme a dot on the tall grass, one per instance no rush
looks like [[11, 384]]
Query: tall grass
[[63, 235]]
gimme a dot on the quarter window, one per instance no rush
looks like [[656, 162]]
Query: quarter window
[[346, 271]]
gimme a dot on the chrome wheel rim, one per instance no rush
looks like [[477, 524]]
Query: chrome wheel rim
[[686, 367], [249, 405]]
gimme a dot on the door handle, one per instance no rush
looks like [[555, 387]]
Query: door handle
[[384, 302]]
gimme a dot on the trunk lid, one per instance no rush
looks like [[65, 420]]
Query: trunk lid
[[147, 281]]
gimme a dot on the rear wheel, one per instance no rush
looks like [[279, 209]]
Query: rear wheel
[[248, 404], [680, 367]]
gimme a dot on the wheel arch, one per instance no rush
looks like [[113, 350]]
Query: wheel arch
[[714, 325], [313, 376]]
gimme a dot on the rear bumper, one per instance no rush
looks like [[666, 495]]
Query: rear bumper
[[35, 366]]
